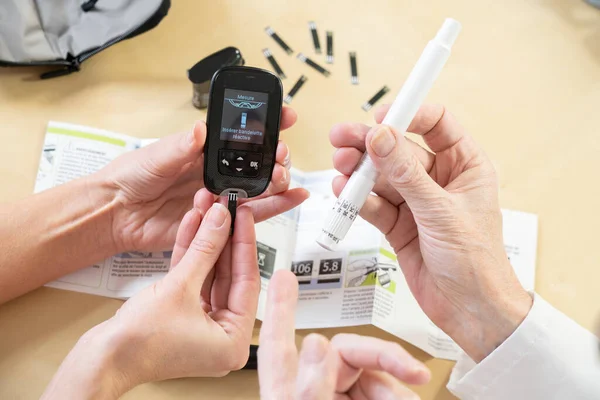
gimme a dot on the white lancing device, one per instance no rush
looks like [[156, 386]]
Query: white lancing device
[[401, 113]]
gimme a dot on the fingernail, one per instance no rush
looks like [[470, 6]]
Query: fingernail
[[285, 176], [314, 348], [216, 215], [287, 161], [191, 137], [383, 141], [419, 369]]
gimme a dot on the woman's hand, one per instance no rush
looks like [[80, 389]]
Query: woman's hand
[[194, 322], [154, 187], [440, 213], [347, 367]]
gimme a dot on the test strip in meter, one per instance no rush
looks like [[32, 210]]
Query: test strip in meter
[[313, 64], [279, 40], [315, 37], [329, 58], [295, 88], [367, 106], [353, 68], [274, 63]]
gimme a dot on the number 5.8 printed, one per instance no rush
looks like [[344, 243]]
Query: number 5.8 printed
[[331, 266]]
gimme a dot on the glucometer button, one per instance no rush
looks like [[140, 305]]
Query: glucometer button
[[239, 163], [253, 164]]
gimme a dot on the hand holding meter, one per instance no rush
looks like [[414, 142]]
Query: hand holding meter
[[244, 112]]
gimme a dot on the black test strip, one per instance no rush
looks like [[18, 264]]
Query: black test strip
[[313, 64], [329, 58], [273, 62], [315, 36], [353, 68], [367, 106], [279, 41], [297, 86]]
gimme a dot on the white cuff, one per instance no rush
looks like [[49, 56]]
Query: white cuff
[[548, 356]]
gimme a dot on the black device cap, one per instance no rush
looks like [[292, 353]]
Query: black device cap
[[201, 73]]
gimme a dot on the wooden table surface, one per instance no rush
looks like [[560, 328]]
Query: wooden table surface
[[524, 78]]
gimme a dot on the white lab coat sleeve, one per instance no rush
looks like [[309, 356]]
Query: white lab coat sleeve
[[548, 356]]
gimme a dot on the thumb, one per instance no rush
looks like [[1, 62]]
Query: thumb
[[392, 155], [168, 155], [204, 249]]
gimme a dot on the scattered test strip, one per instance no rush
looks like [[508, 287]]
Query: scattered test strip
[[315, 36], [353, 68], [367, 106], [313, 64], [297, 86], [274, 63], [329, 58], [279, 41]]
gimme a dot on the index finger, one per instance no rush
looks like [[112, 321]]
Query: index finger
[[244, 279], [439, 128], [369, 353], [277, 353]]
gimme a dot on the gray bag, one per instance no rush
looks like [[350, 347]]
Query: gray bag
[[64, 33]]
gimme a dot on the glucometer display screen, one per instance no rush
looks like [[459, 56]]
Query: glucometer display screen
[[244, 116]]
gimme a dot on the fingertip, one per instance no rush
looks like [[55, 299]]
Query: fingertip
[[244, 218], [188, 227], [315, 340], [189, 216], [281, 177], [337, 154], [283, 153], [345, 159], [380, 112], [288, 117], [340, 338], [338, 134], [304, 193], [244, 231], [402, 365], [335, 131], [300, 195], [203, 199], [197, 136], [217, 218], [422, 376], [314, 348], [246, 212], [338, 184], [415, 375], [284, 286]]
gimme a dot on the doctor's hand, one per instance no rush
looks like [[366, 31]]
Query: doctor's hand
[[153, 188], [347, 367], [439, 210], [197, 321]]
